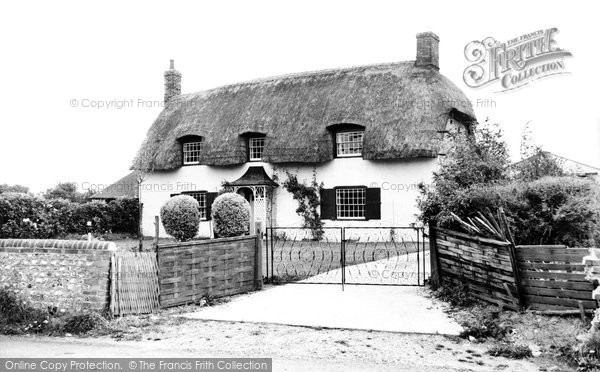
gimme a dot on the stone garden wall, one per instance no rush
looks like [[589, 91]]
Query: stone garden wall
[[62, 275]]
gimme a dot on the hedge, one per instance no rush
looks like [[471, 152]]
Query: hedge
[[552, 210], [23, 216]]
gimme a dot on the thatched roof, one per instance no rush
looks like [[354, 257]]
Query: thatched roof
[[401, 106], [126, 187]]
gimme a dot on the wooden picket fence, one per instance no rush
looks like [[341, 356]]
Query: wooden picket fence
[[134, 283]]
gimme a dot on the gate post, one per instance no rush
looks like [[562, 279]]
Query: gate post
[[433, 256], [258, 250], [343, 255]]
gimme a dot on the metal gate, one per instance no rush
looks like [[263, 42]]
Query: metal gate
[[347, 255]]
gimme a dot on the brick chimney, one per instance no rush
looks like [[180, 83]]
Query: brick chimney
[[428, 53], [172, 82]]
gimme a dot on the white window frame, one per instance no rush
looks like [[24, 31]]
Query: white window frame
[[200, 197], [353, 147], [191, 150], [255, 145], [357, 206]]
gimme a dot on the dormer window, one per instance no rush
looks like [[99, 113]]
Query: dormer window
[[191, 147], [256, 146], [347, 139], [349, 143], [191, 152]]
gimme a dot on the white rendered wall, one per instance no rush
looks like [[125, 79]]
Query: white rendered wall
[[397, 179]]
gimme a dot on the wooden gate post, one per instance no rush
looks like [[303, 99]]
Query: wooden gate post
[[436, 276], [258, 249], [156, 232], [513, 256]]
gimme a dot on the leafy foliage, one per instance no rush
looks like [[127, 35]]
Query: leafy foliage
[[475, 178], [14, 188], [455, 295], [68, 191], [231, 215], [486, 324], [18, 316], [552, 210], [180, 216], [24, 216], [308, 198], [540, 164], [480, 159]]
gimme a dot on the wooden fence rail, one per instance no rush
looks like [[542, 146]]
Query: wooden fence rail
[[553, 278], [540, 277], [483, 265]]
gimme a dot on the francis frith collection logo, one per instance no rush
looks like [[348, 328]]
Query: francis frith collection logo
[[516, 62]]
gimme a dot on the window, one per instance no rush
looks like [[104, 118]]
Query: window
[[349, 143], [350, 202], [200, 197], [256, 145], [191, 152]]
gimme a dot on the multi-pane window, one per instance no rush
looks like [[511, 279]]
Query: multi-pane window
[[256, 145], [200, 197], [350, 202], [191, 152], [349, 143]]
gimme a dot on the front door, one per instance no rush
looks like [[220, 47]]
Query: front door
[[248, 194]]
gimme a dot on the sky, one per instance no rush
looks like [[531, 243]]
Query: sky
[[62, 60]]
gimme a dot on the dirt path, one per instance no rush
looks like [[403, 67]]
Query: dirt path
[[292, 348]]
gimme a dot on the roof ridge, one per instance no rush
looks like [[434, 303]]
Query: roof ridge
[[295, 75], [574, 161]]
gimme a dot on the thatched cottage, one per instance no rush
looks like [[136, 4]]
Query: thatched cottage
[[369, 133]]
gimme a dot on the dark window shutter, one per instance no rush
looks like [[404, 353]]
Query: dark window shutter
[[210, 198], [328, 204], [373, 207]]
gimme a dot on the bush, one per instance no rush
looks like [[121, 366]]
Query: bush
[[180, 217], [455, 294], [24, 216], [551, 210], [486, 324], [231, 215], [18, 316]]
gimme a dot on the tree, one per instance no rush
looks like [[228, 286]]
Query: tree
[[480, 158], [143, 166], [535, 162], [539, 165], [14, 188], [65, 190]]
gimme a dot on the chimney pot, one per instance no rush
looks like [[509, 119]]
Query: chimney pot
[[172, 66], [428, 54]]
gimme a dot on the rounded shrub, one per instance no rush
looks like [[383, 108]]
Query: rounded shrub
[[181, 217], [231, 215]]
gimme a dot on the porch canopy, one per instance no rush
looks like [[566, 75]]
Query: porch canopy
[[254, 176], [257, 180]]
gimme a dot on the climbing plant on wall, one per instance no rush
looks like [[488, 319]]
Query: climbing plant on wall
[[307, 196]]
